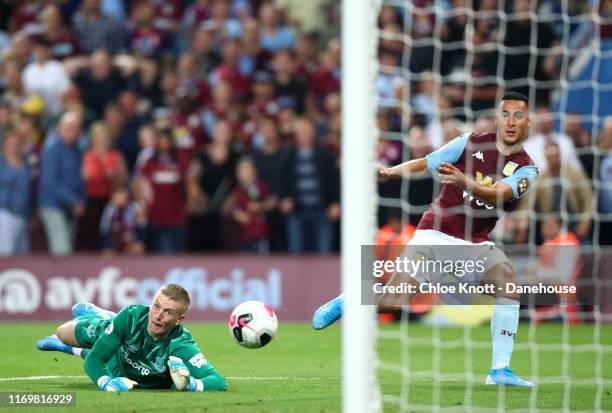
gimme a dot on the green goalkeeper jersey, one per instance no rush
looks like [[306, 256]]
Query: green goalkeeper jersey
[[125, 349]]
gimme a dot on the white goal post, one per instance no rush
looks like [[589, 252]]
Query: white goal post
[[359, 63]]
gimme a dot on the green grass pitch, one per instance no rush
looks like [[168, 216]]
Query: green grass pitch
[[300, 372]]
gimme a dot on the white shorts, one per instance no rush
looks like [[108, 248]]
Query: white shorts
[[440, 248]]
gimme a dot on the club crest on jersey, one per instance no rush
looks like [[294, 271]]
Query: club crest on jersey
[[159, 364], [478, 155], [522, 186], [509, 168]]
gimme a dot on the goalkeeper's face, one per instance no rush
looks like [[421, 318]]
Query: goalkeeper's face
[[512, 121], [164, 315]]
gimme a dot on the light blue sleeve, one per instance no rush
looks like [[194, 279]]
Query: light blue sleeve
[[451, 152], [521, 180]]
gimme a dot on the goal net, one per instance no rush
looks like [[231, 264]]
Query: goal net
[[418, 73]]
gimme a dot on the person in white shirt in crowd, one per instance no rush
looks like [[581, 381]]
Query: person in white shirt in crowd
[[535, 145], [46, 77]]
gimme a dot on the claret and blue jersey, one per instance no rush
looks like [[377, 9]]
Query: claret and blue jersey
[[456, 212]]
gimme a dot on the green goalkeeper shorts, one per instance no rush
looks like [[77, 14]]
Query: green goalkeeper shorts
[[89, 328]]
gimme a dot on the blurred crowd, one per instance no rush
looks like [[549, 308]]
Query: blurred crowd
[[169, 126], [205, 125]]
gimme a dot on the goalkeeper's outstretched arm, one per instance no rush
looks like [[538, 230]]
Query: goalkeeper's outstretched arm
[[212, 380], [102, 351]]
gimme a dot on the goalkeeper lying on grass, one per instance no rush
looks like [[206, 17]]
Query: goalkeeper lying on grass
[[140, 346]]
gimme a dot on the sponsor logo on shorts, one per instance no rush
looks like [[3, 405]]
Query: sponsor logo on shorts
[[198, 360], [91, 331]]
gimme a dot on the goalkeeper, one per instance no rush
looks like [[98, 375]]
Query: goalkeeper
[[141, 346]]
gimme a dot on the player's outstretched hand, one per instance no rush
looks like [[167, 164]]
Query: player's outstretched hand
[[105, 383], [181, 377], [451, 175], [382, 172]]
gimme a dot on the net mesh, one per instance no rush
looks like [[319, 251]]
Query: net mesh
[[443, 67]]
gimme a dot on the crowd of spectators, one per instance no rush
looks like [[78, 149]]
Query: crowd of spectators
[[169, 126], [204, 125]]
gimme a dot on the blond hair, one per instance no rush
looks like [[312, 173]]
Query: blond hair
[[177, 293]]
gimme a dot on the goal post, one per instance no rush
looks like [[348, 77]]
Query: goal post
[[359, 385], [428, 88]]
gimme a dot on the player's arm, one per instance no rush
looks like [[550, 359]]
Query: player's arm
[[191, 371], [450, 153], [451, 175], [403, 170], [102, 351], [509, 188]]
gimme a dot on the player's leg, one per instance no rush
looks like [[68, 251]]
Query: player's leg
[[80, 309], [331, 311], [76, 336], [328, 313], [63, 340], [504, 325]]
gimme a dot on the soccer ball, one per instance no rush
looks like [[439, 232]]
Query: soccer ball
[[253, 324]]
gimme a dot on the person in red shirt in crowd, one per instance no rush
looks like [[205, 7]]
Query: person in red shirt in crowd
[[102, 168], [196, 14], [251, 202], [229, 70], [167, 14], [165, 173], [189, 76], [122, 224], [185, 120], [63, 42], [146, 39], [263, 104], [325, 79], [25, 14]]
